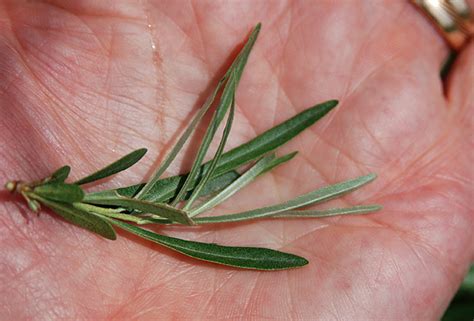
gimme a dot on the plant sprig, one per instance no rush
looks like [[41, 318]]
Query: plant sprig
[[172, 200]]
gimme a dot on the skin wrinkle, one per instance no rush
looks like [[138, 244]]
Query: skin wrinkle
[[339, 150], [207, 307], [202, 47], [430, 251], [449, 268], [13, 77], [291, 306], [401, 283], [326, 180], [277, 70], [247, 305], [290, 244], [106, 80], [456, 181], [381, 149], [361, 53], [41, 85], [24, 273], [141, 298], [350, 88], [377, 69], [379, 269], [121, 307], [414, 169], [76, 12], [108, 50]]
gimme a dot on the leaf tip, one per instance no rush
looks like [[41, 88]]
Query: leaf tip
[[322, 109], [142, 151], [371, 177], [301, 261], [330, 104], [377, 207], [292, 154], [110, 236]]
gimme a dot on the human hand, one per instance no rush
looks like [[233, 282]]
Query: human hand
[[84, 83]]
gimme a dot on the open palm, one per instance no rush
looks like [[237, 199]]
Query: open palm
[[83, 83]]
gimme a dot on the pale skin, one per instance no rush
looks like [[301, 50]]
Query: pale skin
[[83, 83]]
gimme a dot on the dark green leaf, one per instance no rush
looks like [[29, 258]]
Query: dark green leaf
[[317, 196], [216, 184], [117, 166], [61, 192], [160, 209], [241, 257], [60, 175], [80, 218], [272, 138]]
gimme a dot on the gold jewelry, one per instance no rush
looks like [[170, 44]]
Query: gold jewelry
[[453, 18]]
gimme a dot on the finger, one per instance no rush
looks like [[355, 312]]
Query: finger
[[460, 84], [461, 109]]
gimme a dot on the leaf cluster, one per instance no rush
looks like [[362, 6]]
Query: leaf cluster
[[181, 199]]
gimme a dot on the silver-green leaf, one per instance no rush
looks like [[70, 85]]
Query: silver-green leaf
[[317, 196]]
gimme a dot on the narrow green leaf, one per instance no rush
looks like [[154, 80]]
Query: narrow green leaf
[[241, 257], [361, 209], [166, 188], [34, 205], [272, 138], [117, 166], [263, 165], [356, 210], [216, 184], [117, 213], [206, 142], [203, 182], [60, 175], [61, 192], [236, 67], [150, 186], [163, 210], [317, 196], [80, 218], [228, 96]]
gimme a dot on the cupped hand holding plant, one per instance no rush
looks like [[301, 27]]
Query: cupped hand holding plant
[[79, 89]]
